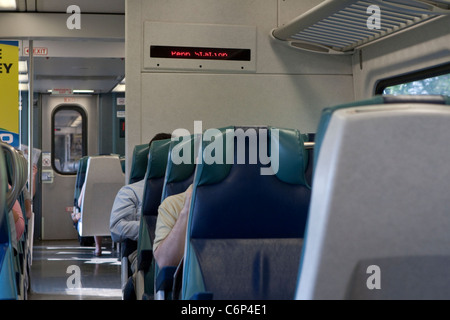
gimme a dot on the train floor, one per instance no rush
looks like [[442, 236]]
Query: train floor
[[64, 270]]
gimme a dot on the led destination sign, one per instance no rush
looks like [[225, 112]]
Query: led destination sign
[[171, 52]]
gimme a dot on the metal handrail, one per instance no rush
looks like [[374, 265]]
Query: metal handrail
[[309, 145]]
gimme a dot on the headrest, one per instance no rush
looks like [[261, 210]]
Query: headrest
[[157, 158], [292, 156], [276, 151], [139, 163], [82, 166], [180, 166], [181, 163], [81, 171], [262, 186], [381, 99]]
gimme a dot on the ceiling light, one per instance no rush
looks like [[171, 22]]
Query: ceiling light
[[119, 88], [23, 67], [23, 78], [83, 91], [23, 86], [8, 5]]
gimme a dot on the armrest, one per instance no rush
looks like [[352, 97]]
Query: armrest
[[164, 280], [127, 247], [177, 281], [145, 258]]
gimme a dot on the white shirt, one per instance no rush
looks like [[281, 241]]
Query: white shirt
[[126, 212]]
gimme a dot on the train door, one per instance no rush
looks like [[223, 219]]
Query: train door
[[69, 132]]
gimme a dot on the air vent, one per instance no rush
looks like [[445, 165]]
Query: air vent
[[79, 78], [338, 27]]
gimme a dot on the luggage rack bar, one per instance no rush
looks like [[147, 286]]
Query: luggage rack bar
[[339, 27]]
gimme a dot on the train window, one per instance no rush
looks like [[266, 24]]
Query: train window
[[430, 81], [69, 138]]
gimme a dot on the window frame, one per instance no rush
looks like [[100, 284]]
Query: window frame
[[436, 71], [84, 127]]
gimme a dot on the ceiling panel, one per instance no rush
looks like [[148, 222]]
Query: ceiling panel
[[87, 6], [99, 74], [99, 66]]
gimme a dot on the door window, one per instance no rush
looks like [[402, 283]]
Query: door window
[[69, 138]]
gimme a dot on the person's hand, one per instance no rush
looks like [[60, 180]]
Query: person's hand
[[76, 216]]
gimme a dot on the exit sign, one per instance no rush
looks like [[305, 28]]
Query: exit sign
[[38, 51]]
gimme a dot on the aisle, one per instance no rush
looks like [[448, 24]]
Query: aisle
[[62, 270]]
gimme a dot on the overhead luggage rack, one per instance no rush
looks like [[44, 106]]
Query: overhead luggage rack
[[339, 27]]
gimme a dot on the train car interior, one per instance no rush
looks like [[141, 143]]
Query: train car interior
[[306, 157]]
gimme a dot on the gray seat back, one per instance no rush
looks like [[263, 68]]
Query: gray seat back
[[104, 178], [379, 221]]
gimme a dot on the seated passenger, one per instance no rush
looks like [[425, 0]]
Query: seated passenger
[[76, 216], [16, 223], [19, 221], [170, 233], [126, 210]]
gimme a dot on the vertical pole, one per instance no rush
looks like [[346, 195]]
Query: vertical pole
[[30, 120]]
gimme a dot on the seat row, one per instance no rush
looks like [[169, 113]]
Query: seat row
[[268, 218], [362, 216], [15, 251]]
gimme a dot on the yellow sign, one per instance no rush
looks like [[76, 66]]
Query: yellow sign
[[9, 92]]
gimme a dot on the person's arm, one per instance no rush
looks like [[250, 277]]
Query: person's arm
[[124, 222], [27, 201], [19, 221], [171, 250]]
